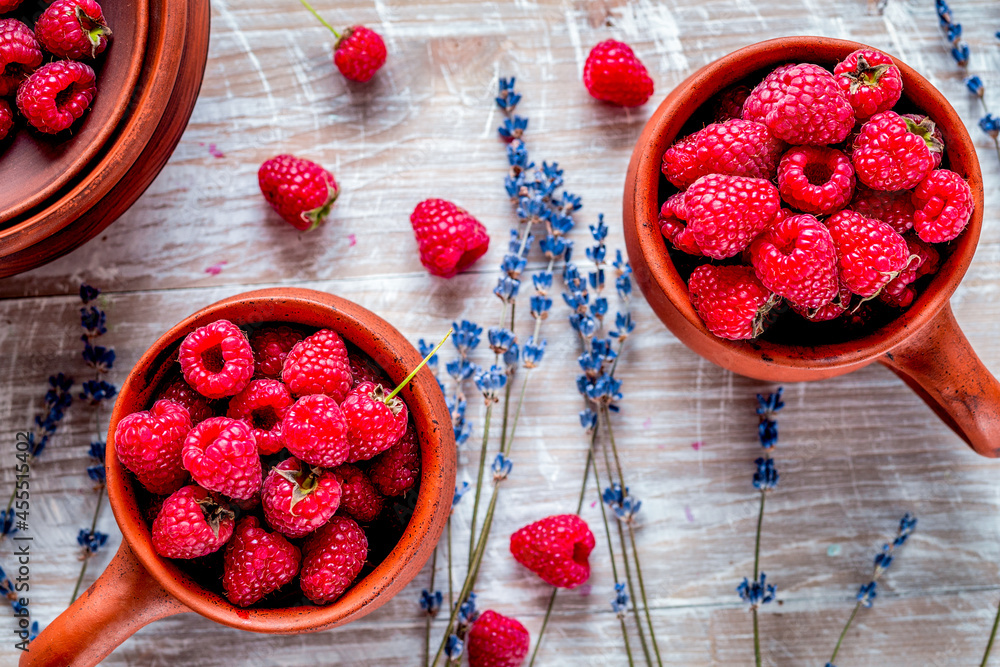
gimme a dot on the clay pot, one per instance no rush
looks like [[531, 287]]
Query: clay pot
[[139, 586], [923, 345]]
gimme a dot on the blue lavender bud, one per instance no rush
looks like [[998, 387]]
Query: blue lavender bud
[[599, 231], [990, 124], [599, 308], [513, 184], [884, 559], [459, 492], [628, 508], [614, 495], [507, 288], [583, 324], [604, 390], [88, 293], [34, 631], [425, 349], [596, 278], [510, 358], [596, 254], [953, 32], [513, 128], [500, 339], [501, 467], [975, 85], [96, 473], [603, 349], [961, 54], [96, 391], [577, 301], [623, 325], [590, 363], [906, 527], [513, 265], [767, 432], [766, 476], [867, 594], [490, 382], [93, 321], [623, 284], [531, 207], [91, 541], [98, 357], [60, 382], [507, 99], [560, 224], [570, 202], [466, 336], [770, 404], [620, 604], [461, 369], [540, 306], [431, 602], [532, 354], [517, 155], [756, 593], [943, 11], [467, 611], [542, 281], [7, 524], [581, 386], [552, 246], [19, 608], [453, 647], [588, 419]]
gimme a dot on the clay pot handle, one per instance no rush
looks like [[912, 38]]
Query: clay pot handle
[[122, 600], [942, 368]]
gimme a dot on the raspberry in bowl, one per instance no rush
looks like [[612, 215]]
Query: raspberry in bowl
[[262, 539], [789, 322]]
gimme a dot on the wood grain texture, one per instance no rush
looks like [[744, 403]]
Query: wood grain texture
[[856, 452]]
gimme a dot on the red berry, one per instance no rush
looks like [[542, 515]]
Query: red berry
[[318, 365], [923, 260], [363, 369], [932, 134], [893, 208], [815, 179], [316, 432], [397, 470], [262, 405], [894, 153], [943, 206], [6, 119], [331, 559], [869, 252], [7, 6], [374, 424], [300, 191], [271, 346], [450, 239], [149, 444], [359, 53], [735, 147], [673, 225], [221, 455], [729, 103], [724, 213], [257, 563], [298, 499], [731, 301], [54, 96], [181, 392], [190, 524], [556, 549], [360, 500], [801, 104], [871, 82], [216, 359], [497, 641], [73, 29], [613, 74], [795, 258], [20, 55], [831, 311]]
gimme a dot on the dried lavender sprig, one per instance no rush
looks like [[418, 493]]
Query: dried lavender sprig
[[996, 617], [989, 123]]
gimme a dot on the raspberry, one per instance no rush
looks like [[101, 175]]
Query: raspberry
[[73, 29], [262, 405], [450, 239], [923, 260], [181, 392], [363, 369], [893, 208], [869, 252], [190, 524], [735, 147], [556, 549], [149, 444], [815, 179], [613, 74], [331, 559], [726, 212], [7, 6], [300, 191], [298, 499], [729, 103], [54, 96], [730, 300], [316, 432], [216, 359], [359, 53], [221, 455], [6, 119], [894, 153], [318, 365], [795, 258], [20, 55], [933, 134], [943, 205], [396, 470], [871, 82], [257, 563], [801, 104], [831, 311], [374, 423], [673, 226], [497, 641], [360, 500], [271, 346]]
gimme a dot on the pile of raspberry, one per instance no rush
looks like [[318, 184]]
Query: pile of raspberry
[[810, 193], [52, 96], [271, 457]]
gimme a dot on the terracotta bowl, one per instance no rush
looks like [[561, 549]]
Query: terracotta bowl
[[923, 345], [139, 586]]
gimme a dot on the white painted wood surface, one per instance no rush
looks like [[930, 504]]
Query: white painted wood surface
[[855, 452]]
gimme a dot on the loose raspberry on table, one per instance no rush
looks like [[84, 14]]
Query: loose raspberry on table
[[729, 103], [801, 104], [869, 252], [191, 523], [815, 179], [360, 500], [673, 225], [6, 119], [894, 153], [924, 260], [221, 455], [318, 364], [262, 405], [197, 405], [359, 53], [374, 422], [298, 498], [397, 470], [942, 206], [555, 548], [300, 191], [796, 259], [731, 300], [612, 73], [216, 359], [735, 148], [724, 213], [271, 346], [332, 557], [149, 444], [257, 563], [448, 237], [893, 208], [315, 431], [871, 81], [497, 641], [55, 96], [20, 55], [73, 29]]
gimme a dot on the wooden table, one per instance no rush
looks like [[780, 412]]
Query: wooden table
[[856, 452]]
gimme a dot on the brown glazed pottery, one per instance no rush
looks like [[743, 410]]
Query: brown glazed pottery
[[923, 345], [139, 586]]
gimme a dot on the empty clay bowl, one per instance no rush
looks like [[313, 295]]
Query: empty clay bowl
[[923, 345]]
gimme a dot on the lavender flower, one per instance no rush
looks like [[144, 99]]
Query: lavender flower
[[501, 467], [431, 602], [91, 541], [756, 593], [620, 604], [459, 492]]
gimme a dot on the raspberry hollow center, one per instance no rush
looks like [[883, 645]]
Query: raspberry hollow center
[[817, 173], [580, 553], [264, 418], [212, 358]]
